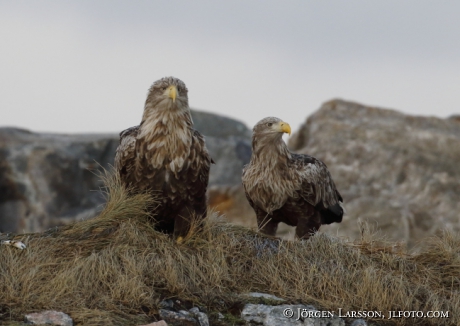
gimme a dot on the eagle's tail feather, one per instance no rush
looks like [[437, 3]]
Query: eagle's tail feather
[[332, 214]]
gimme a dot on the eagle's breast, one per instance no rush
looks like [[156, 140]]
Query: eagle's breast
[[270, 187], [165, 144]]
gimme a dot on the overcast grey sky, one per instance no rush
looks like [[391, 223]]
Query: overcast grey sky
[[86, 66]]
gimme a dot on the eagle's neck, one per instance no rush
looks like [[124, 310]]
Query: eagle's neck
[[270, 153], [267, 178], [165, 137]]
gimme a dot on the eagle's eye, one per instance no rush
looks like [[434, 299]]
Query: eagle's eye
[[269, 124], [163, 88]]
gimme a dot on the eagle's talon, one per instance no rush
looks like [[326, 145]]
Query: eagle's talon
[[14, 243]]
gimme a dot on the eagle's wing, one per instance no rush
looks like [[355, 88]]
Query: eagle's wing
[[243, 178], [125, 154], [318, 188], [201, 163], [245, 182], [193, 180]]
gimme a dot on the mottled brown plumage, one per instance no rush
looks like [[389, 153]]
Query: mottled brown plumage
[[164, 155], [281, 186]]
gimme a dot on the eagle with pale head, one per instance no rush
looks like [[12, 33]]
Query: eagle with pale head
[[165, 156], [281, 186]]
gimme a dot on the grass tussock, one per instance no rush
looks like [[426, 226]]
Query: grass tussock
[[115, 269]]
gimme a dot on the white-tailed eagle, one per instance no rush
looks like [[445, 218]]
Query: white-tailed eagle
[[281, 186], [166, 156]]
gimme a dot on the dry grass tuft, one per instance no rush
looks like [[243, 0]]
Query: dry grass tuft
[[115, 269]]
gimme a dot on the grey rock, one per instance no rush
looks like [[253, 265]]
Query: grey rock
[[230, 155], [49, 317], [45, 179], [210, 124], [229, 144], [288, 315], [194, 310], [359, 322], [203, 319], [397, 171], [184, 312], [177, 318]]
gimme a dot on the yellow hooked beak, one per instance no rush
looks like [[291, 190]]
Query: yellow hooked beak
[[172, 92], [285, 127]]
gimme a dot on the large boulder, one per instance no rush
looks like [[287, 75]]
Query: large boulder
[[218, 126], [53, 179], [50, 179], [228, 142], [399, 172]]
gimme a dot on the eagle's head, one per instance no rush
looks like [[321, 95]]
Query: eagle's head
[[168, 93], [166, 113], [267, 135], [271, 128]]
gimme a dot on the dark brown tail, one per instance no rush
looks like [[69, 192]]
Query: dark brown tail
[[332, 214]]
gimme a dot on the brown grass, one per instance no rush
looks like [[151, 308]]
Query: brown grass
[[115, 269]]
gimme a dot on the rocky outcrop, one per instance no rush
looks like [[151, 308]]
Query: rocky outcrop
[[50, 179], [54, 179], [218, 126], [397, 171]]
